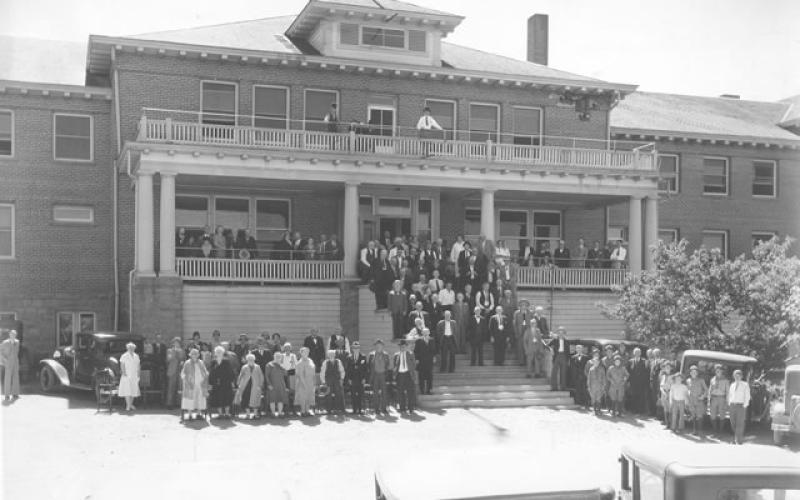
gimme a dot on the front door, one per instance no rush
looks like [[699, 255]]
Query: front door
[[397, 226]]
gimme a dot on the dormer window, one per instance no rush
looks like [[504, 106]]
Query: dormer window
[[354, 34]]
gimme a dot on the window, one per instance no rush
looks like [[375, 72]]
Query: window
[[716, 239], [444, 112], [232, 213], [70, 323], [6, 133], [483, 122], [191, 212], [424, 219], [218, 103], [394, 207], [764, 178], [270, 107], [472, 223], [513, 227], [273, 218], [382, 37], [72, 137], [7, 231], [317, 104], [348, 34], [762, 236], [416, 40], [715, 176], [668, 236], [668, 173], [546, 229], [73, 213], [381, 120], [527, 125], [8, 316]]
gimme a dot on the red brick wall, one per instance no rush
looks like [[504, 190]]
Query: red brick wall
[[58, 267]]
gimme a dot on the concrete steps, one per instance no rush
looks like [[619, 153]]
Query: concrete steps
[[506, 402], [577, 311]]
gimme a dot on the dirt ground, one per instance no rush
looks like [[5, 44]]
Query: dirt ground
[[59, 447]]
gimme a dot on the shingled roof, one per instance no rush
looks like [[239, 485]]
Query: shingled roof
[[697, 116]]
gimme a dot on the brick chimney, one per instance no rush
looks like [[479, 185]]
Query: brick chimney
[[537, 39]]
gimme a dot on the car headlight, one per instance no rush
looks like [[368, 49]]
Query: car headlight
[[56, 354]]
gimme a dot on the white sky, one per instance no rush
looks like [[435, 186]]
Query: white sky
[[702, 47]]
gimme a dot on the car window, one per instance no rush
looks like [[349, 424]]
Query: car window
[[84, 341], [651, 486], [758, 494]]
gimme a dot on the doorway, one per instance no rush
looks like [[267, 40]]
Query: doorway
[[397, 226]]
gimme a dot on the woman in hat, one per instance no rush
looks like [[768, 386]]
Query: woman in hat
[[617, 378], [304, 383], [251, 382], [129, 380], [195, 385], [221, 379], [596, 382], [275, 377]]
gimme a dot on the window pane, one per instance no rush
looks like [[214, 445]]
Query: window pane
[[444, 112], [5, 217], [87, 322], [6, 240], [416, 40], [715, 179], [318, 102], [526, 121], [547, 219], [472, 221], [272, 214], [762, 237], [424, 219], [668, 170], [667, 235], [482, 122], [348, 33], [65, 329], [219, 103], [365, 207], [5, 133], [383, 37], [232, 213], [269, 107], [764, 178], [67, 213], [513, 224], [73, 137], [714, 240], [76, 126], [191, 211]]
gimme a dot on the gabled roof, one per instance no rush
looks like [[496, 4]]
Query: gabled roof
[[792, 116], [42, 61], [268, 34], [698, 116]]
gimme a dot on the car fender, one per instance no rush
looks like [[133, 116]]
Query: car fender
[[58, 369]]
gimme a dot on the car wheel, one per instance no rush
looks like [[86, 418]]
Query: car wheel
[[47, 380]]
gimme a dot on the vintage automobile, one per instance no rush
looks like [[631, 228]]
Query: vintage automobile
[[786, 408], [722, 472], [93, 358]]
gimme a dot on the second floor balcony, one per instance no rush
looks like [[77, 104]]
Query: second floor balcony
[[358, 139]]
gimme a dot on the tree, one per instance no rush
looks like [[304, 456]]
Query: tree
[[700, 300]]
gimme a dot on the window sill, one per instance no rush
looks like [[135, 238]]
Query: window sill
[[67, 160]]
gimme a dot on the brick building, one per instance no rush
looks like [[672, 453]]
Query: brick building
[[225, 125]]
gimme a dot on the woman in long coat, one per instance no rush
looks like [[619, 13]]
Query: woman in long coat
[[220, 379], [305, 383], [275, 377], [461, 314], [617, 379], [596, 382], [195, 384], [250, 385], [9, 361], [130, 368]]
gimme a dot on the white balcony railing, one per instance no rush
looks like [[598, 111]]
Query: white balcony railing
[[273, 271], [567, 153], [560, 277]]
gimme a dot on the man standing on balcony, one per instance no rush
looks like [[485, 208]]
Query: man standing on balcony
[[595, 256], [618, 256], [426, 126], [332, 118], [581, 254], [561, 255]]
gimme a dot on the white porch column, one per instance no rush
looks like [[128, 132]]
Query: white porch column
[[350, 236], [167, 225], [144, 229], [487, 214], [650, 229], [635, 234]]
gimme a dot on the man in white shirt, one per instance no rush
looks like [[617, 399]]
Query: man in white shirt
[[426, 125], [455, 251], [738, 401], [447, 297], [618, 256], [445, 338], [404, 366]]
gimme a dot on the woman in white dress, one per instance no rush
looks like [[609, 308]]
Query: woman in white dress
[[195, 385], [289, 363], [129, 380]]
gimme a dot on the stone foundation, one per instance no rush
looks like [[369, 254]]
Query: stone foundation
[[157, 306]]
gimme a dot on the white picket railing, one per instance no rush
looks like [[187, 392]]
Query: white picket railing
[[560, 277], [186, 132], [274, 271]]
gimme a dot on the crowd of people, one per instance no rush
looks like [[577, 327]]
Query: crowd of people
[[222, 243]]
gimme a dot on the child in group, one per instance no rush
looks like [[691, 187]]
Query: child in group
[[665, 382], [678, 396], [596, 382], [617, 378], [698, 391]]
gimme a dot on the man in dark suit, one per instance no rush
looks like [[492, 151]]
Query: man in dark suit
[[356, 369], [446, 339], [316, 347], [560, 346], [382, 279], [541, 321], [158, 376], [522, 321], [476, 335], [577, 370], [404, 366], [638, 380], [425, 354], [485, 299], [561, 255], [498, 333]]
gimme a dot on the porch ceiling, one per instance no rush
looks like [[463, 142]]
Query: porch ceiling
[[227, 183]]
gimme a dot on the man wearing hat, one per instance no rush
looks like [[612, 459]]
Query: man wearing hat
[[404, 365], [561, 354], [356, 373], [379, 363], [638, 382], [522, 322], [425, 353], [698, 391]]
